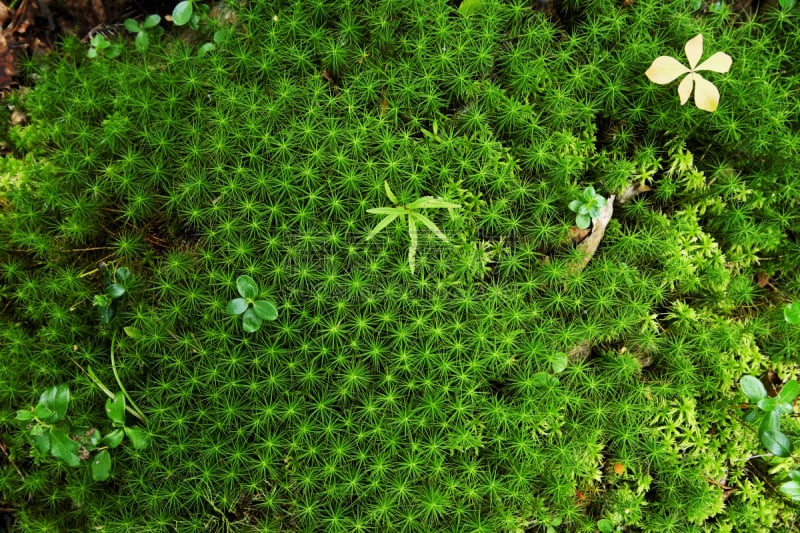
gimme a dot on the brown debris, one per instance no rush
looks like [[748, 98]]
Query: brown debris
[[633, 190], [589, 245]]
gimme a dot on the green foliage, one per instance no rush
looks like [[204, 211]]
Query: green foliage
[[99, 46], [114, 283], [770, 409], [791, 313], [144, 30], [253, 311], [495, 388], [587, 207], [51, 431]]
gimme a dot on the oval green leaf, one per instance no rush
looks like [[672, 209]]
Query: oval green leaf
[[236, 306], [789, 391], [791, 490], [265, 310], [151, 21], [123, 274], [64, 448], [582, 221], [138, 437], [114, 438], [777, 443], [24, 415], [791, 313], [250, 321], [41, 439], [247, 287], [115, 290], [116, 409], [182, 13], [56, 399], [142, 41], [132, 26], [101, 466], [752, 388], [770, 422]]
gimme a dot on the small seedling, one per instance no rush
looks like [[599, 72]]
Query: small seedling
[[769, 427], [51, 431], [188, 12], [114, 288], [143, 30], [100, 46], [410, 211], [587, 207], [253, 311], [666, 69]]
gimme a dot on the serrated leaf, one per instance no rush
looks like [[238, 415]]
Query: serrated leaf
[[250, 322], [115, 409], [114, 438], [752, 388], [265, 310], [56, 399], [64, 448], [236, 306], [777, 443], [247, 287], [101, 466], [791, 313], [151, 21], [137, 436], [182, 13]]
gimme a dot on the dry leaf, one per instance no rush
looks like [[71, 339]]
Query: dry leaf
[[666, 69]]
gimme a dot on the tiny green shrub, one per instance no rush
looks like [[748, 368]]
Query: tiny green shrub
[[253, 311]]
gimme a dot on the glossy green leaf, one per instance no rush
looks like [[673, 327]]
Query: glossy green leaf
[[115, 409], [250, 321], [247, 287], [766, 404], [789, 391], [182, 13], [24, 415], [101, 466], [137, 436], [41, 439], [115, 290], [791, 313], [752, 388], [777, 443], [56, 399], [151, 21], [123, 274], [132, 26], [114, 438], [236, 306], [265, 310], [470, 7], [42, 412], [114, 51], [791, 490], [794, 475], [142, 41], [750, 415], [605, 525], [575, 205], [770, 422], [64, 448]]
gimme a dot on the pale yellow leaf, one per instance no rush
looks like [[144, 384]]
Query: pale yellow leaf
[[665, 69], [694, 50], [706, 95], [719, 62], [685, 88]]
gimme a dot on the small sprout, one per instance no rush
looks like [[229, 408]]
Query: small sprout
[[666, 69], [142, 30], [100, 46], [253, 311], [587, 207]]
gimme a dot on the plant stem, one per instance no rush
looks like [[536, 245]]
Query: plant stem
[[140, 415]]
